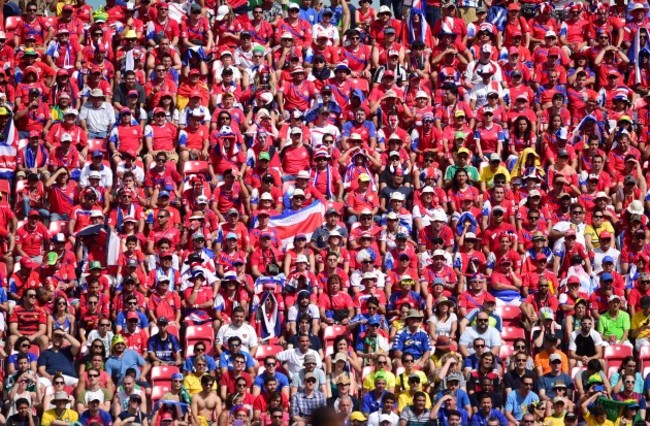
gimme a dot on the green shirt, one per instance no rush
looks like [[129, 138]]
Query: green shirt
[[609, 326], [472, 172]]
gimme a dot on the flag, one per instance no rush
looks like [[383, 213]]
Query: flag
[[104, 237], [633, 53], [304, 221]]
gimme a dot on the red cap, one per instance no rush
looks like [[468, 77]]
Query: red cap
[[34, 134], [517, 33], [62, 71], [569, 231], [132, 315], [195, 94], [514, 6], [388, 73], [573, 280], [605, 234], [162, 5], [95, 69], [513, 51], [68, 7], [540, 256], [27, 262], [156, 110], [194, 71], [554, 51]]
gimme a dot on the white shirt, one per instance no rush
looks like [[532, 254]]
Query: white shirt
[[99, 119], [598, 341], [599, 255], [373, 418], [245, 332], [106, 176], [295, 359]]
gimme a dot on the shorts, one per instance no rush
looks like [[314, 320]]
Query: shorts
[[171, 155]]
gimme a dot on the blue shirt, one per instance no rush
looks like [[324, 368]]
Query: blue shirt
[[370, 403], [478, 419], [415, 344], [225, 360], [462, 398], [121, 320], [166, 349], [518, 405], [188, 366], [309, 14], [102, 417], [443, 419], [547, 381], [282, 380], [116, 366]]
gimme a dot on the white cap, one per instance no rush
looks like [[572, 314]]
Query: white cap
[[296, 131], [201, 199], [287, 34], [427, 190], [439, 252], [298, 191], [439, 216], [366, 211], [94, 175], [355, 136], [421, 94], [369, 276], [71, 111], [534, 193], [384, 9], [96, 213], [302, 259], [303, 174], [266, 196], [222, 11], [470, 236], [550, 33], [66, 137], [391, 216], [397, 196]]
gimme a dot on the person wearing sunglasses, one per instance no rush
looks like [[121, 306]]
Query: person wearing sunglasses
[[28, 319], [21, 346], [270, 372], [549, 382], [517, 401]]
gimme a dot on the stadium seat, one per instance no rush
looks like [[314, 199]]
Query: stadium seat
[[57, 226], [195, 168], [510, 334], [35, 349], [22, 143], [5, 188], [157, 392], [366, 371], [510, 315], [505, 351], [161, 375], [11, 23], [96, 145], [617, 352], [267, 350], [644, 357], [198, 332], [577, 370]]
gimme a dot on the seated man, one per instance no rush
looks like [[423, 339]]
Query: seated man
[[413, 340], [164, 348]]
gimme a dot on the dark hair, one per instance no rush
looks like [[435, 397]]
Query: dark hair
[[596, 410], [238, 310], [22, 401], [419, 394], [451, 88], [206, 378], [389, 396], [233, 339], [594, 365], [239, 356], [20, 341], [454, 413], [269, 379]]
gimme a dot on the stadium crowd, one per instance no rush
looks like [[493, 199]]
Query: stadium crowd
[[237, 213]]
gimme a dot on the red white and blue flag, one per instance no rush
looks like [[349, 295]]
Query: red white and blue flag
[[304, 221]]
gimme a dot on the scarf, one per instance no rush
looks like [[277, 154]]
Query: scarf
[[270, 324], [30, 157], [422, 27], [352, 173]]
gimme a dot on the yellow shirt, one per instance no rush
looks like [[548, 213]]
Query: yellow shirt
[[69, 416], [404, 385], [637, 322], [554, 421], [369, 382], [591, 421], [592, 232], [405, 399], [192, 383], [487, 175]]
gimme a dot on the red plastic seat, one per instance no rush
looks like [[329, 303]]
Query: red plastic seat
[[644, 357], [510, 334], [57, 226], [264, 351], [617, 352], [11, 24], [157, 392], [505, 351], [198, 333], [96, 145], [195, 168], [161, 375], [510, 315], [577, 370]]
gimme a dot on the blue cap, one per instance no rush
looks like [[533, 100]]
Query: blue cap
[[326, 11], [609, 259], [232, 235], [97, 153], [606, 276], [177, 376], [438, 281], [374, 320], [163, 194]]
